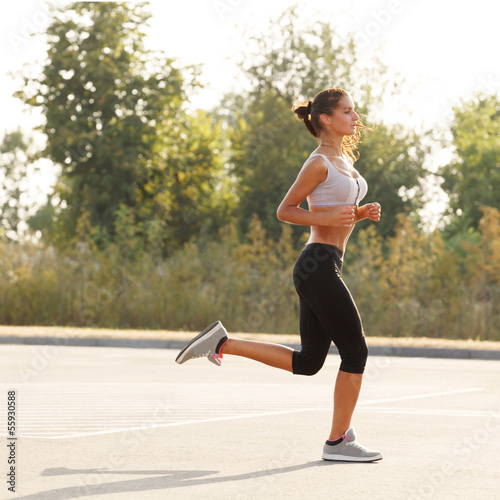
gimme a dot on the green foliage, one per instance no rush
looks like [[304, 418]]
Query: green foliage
[[141, 231], [194, 189], [473, 178], [418, 287], [294, 61], [268, 146], [391, 161], [13, 183], [483, 266], [115, 124]]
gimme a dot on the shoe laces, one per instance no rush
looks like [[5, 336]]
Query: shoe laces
[[358, 446], [208, 354], [203, 355]]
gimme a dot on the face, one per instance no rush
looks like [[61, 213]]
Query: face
[[343, 119]]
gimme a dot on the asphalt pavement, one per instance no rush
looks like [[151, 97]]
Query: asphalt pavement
[[126, 423]]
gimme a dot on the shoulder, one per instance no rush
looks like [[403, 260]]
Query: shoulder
[[315, 166]]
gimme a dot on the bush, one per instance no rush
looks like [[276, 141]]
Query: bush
[[412, 284]]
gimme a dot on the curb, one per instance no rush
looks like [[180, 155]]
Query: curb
[[434, 352], [388, 350]]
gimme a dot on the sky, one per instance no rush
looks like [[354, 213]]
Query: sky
[[446, 50]]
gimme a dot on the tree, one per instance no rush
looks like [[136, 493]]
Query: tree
[[391, 161], [14, 169], [192, 192], [291, 62], [116, 124], [473, 178], [483, 264], [268, 146]]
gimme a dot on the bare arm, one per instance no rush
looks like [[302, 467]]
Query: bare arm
[[309, 177]]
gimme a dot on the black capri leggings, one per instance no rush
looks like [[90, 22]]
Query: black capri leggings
[[327, 312]]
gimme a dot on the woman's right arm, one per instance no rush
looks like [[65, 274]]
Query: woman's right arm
[[309, 177]]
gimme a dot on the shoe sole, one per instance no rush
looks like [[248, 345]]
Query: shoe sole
[[344, 458], [180, 357]]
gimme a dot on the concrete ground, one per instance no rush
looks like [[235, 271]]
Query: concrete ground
[[107, 423]]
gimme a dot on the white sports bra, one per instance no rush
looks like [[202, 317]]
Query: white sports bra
[[338, 189]]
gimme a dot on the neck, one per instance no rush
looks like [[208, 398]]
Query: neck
[[334, 143]]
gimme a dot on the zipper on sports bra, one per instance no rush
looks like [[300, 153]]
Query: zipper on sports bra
[[357, 194]]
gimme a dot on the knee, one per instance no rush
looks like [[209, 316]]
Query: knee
[[309, 370], [306, 364], [354, 358]]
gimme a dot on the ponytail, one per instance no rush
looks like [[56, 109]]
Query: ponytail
[[325, 103], [303, 112]]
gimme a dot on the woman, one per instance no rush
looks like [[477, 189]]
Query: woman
[[333, 188]]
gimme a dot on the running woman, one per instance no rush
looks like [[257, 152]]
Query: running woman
[[333, 188]]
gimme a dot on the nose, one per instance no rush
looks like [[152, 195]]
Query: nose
[[356, 117]]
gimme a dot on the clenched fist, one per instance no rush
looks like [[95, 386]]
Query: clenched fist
[[370, 211]]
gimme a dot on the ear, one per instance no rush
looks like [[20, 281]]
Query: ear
[[324, 119]]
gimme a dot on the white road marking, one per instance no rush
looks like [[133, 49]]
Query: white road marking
[[420, 396], [63, 411], [436, 412], [169, 424]]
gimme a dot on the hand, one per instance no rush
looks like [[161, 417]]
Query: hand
[[372, 211], [344, 216]]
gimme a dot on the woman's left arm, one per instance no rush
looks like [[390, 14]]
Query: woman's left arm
[[369, 211]]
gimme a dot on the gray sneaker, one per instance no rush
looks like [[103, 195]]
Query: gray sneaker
[[350, 451], [208, 343]]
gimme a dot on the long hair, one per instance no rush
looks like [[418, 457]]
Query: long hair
[[326, 102]]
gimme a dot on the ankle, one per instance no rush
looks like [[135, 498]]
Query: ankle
[[335, 436], [225, 348], [333, 442]]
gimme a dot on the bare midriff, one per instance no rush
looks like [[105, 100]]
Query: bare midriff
[[336, 236]]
